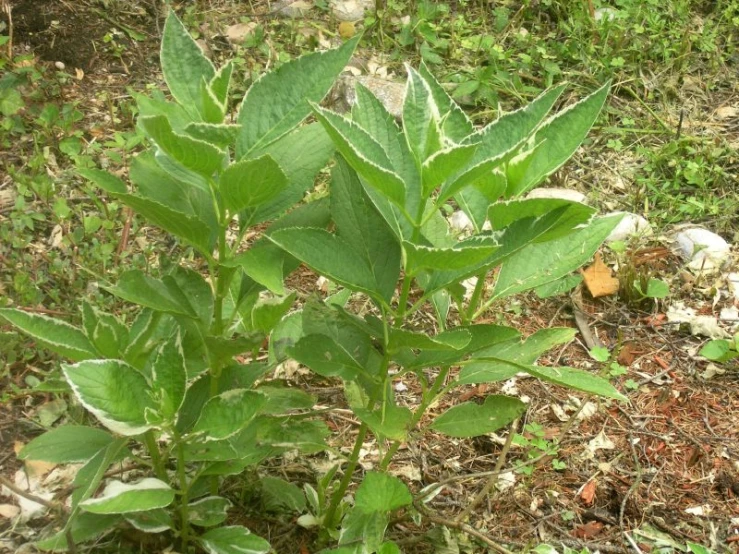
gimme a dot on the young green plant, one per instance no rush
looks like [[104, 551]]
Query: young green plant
[[177, 407], [387, 195]]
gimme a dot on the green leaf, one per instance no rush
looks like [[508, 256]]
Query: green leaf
[[442, 165], [421, 118], [123, 498], [183, 63], [221, 135], [233, 540], [363, 228], [656, 288], [196, 155], [333, 257], [267, 312], [364, 155], [541, 263], [221, 82], [560, 136], [66, 445], [280, 100], [82, 528], [115, 392], [380, 492], [513, 350], [91, 474], [228, 413], [279, 495], [560, 286], [54, 334], [169, 377], [211, 109], [463, 256], [151, 521], [572, 214], [365, 531], [326, 357], [470, 419], [188, 284], [251, 182], [209, 511], [300, 155], [454, 122], [718, 350], [388, 422], [137, 287], [576, 379], [281, 400], [455, 339]]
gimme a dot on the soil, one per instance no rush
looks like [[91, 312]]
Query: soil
[[672, 463]]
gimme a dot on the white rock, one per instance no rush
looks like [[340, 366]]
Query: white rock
[[559, 193], [630, 226], [729, 314], [351, 10], [703, 249], [460, 222], [704, 325]]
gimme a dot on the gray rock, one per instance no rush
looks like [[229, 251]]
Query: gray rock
[[559, 193], [351, 10], [631, 226], [703, 249], [390, 93], [293, 9]]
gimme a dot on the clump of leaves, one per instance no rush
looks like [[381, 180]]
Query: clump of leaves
[[168, 382], [388, 193]]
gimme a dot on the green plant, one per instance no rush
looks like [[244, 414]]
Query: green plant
[[721, 350], [179, 410], [387, 196]]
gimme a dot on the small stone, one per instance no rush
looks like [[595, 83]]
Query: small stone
[[293, 10], [732, 281], [236, 34], [460, 222], [558, 193], [703, 249], [59, 65], [351, 10], [630, 226]]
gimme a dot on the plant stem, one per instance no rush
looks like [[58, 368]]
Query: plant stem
[[156, 458], [493, 478], [476, 295], [428, 399], [347, 478], [359, 441], [403, 300], [184, 493]]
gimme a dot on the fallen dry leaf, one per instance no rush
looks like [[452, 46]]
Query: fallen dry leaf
[[599, 279], [627, 354], [588, 530], [9, 510], [587, 495], [727, 112]]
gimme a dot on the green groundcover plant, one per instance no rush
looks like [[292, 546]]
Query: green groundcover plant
[[179, 408]]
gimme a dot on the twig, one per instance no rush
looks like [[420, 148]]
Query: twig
[[493, 478], [28, 496], [434, 518], [632, 488]]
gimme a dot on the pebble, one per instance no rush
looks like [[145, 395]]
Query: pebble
[[703, 249], [558, 193], [351, 10], [292, 9], [236, 34], [631, 226], [59, 65]]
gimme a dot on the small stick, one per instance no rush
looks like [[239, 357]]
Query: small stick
[[124, 235], [27, 495], [493, 478]]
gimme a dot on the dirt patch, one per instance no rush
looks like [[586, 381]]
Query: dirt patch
[[82, 36]]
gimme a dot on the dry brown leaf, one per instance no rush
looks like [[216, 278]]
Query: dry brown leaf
[[9, 511], [588, 492], [588, 530], [599, 278]]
